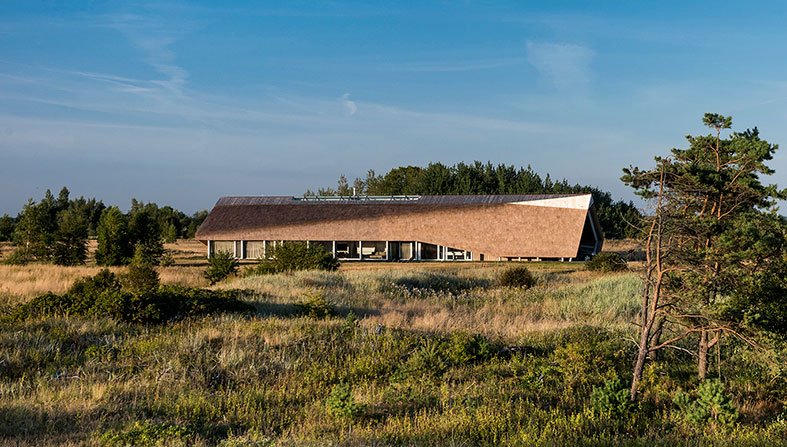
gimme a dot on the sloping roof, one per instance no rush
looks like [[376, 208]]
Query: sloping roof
[[242, 213], [421, 200]]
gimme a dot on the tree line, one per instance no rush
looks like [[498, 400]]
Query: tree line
[[619, 219], [57, 229]]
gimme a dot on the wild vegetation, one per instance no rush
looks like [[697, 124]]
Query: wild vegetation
[[413, 355], [682, 344], [57, 229]]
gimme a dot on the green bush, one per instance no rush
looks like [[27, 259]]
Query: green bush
[[293, 256], [140, 278], [611, 399], [465, 348], [149, 434], [341, 403], [519, 277], [315, 305], [265, 267], [710, 405], [428, 360], [606, 262], [101, 296], [220, 266], [19, 256]]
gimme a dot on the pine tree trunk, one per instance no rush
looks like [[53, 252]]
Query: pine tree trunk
[[656, 339], [639, 366], [702, 366]]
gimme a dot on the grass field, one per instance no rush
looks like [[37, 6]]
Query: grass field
[[415, 354]]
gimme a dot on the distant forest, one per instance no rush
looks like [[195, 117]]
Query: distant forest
[[51, 214], [619, 219]]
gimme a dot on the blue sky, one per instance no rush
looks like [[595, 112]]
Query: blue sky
[[182, 102]]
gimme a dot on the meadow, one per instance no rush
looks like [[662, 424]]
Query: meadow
[[410, 354]]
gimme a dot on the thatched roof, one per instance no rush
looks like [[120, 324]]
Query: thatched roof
[[242, 213]]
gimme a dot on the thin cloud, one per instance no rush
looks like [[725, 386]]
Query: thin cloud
[[444, 67], [566, 66], [349, 105], [154, 38]]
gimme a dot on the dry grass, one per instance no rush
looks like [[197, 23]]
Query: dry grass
[[20, 283], [380, 297]]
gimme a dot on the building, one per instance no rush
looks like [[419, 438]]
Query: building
[[444, 228]]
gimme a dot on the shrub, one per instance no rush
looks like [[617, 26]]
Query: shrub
[[149, 434], [265, 267], [611, 399], [519, 277], [140, 278], [711, 405], [20, 256], [101, 296], [429, 360], [315, 306], [341, 403], [606, 262], [466, 348], [220, 266], [293, 256]]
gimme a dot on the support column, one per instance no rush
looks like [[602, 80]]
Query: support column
[[209, 244], [333, 249], [360, 250]]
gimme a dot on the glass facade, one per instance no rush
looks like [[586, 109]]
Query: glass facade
[[349, 250]]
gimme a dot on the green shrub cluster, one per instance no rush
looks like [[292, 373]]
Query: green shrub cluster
[[711, 405], [148, 434], [341, 404], [103, 296], [612, 398], [293, 256], [518, 277], [220, 266], [314, 305], [606, 262]]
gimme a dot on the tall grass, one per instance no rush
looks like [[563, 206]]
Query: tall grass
[[412, 365]]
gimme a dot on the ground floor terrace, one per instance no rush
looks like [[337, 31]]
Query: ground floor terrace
[[364, 251]]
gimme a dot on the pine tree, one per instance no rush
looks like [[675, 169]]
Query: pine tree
[[70, 242], [114, 246]]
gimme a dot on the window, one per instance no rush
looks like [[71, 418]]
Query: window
[[255, 249], [373, 249], [347, 249]]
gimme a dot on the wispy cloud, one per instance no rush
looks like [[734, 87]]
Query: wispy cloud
[[154, 38], [349, 105], [566, 66], [453, 66]]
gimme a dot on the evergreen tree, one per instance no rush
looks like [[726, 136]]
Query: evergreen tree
[[70, 242], [114, 246], [723, 246], [145, 231], [34, 231], [7, 225]]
